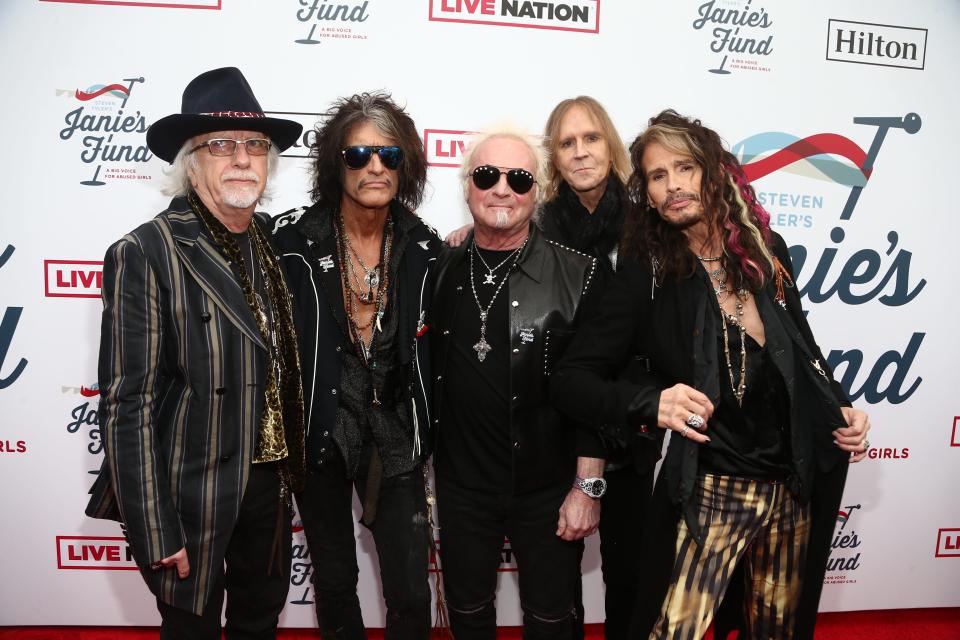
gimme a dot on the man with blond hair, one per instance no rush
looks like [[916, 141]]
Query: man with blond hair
[[507, 464]]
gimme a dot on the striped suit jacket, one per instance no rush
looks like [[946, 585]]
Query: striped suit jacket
[[181, 374]]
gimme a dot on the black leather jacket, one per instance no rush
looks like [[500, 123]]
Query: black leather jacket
[[547, 292]]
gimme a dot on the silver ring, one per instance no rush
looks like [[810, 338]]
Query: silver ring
[[683, 432], [866, 445], [694, 421]]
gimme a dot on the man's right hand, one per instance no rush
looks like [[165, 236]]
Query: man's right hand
[[456, 237], [678, 404], [179, 559]]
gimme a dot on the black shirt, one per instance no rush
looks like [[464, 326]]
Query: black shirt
[[750, 441], [477, 431], [361, 422]]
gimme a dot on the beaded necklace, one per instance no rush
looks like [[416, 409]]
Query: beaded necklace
[[722, 291]]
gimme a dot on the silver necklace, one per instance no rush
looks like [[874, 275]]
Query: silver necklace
[[722, 291], [371, 275], [483, 347], [489, 279]]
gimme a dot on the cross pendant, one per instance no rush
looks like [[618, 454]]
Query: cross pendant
[[482, 348]]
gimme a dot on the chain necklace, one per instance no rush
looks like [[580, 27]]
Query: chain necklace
[[483, 347], [489, 279], [380, 301], [371, 276], [722, 292]]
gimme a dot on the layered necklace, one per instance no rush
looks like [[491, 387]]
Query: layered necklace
[[370, 290], [482, 347], [718, 278]]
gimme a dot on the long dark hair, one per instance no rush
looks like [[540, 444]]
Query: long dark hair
[[392, 121], [729, 204]]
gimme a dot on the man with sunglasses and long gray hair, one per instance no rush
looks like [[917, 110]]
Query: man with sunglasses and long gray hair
[[358, 260], [506, 301]]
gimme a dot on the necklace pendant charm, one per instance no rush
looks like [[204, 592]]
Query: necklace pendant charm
[[372, 278], [379, 315], [482, 348], [376, 400], [488, 279]]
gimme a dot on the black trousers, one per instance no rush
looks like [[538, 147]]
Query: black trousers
[[401, 534], [256, 592], [473, 525], [622, 514]]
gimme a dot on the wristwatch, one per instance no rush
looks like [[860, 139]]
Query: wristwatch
[[593, 487]]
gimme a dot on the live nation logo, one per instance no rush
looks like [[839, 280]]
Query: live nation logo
[[739, 34], [948, 543], [72, 278], [169, 4], [107, 132], [572, 15], [84, 419], [883, 45], [445, 147], [89, 552], [333, 21], [844, 549]]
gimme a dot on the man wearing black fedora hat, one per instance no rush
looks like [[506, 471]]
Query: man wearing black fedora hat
[[201, 400]]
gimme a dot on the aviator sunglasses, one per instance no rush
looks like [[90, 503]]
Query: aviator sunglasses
[[357, 157], [486, 176]]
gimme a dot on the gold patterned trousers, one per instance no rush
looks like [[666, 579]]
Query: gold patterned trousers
[[758, 522]]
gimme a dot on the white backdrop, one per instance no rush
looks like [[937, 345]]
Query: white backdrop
[[770, 75]]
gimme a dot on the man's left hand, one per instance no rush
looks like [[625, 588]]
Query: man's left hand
[[579, 515], [853, 437]]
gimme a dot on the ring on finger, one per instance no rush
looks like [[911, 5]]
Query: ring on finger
[[866, 444], [694, 421], [683, 432]]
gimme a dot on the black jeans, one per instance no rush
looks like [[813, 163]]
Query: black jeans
[[256, 592], [622, 514], [473, 525], [401, 534]]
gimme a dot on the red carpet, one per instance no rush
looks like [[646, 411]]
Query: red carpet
[[901, 624]]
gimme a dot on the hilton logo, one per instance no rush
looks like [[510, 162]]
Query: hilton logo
[[877, 44]]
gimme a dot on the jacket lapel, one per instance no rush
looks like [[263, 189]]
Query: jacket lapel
[[211, 271]]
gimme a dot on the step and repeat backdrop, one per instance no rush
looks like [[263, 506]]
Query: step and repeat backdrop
[[843, 113]]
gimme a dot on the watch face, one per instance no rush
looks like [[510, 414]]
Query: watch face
[[596, 489]]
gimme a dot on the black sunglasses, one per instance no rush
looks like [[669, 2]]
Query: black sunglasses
[[358, 157], [486, 176]]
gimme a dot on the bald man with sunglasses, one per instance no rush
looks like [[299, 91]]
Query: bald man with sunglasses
[[506, 301], [358, 261]]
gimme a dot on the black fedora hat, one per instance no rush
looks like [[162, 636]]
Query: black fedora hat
[[218, 100]]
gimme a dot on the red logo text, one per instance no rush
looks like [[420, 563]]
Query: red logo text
[[87, 552], [72, 278]]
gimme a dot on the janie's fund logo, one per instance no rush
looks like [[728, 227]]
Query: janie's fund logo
[[330, 22], [844, 549], [107, 132], [739, 34]]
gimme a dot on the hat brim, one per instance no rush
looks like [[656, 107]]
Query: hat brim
[[166, 136]]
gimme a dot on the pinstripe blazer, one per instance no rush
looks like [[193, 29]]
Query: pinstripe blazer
[[181, 374]]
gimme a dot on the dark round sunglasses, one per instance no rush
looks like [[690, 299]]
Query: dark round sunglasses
[[358, 157], [486, 176]]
